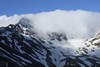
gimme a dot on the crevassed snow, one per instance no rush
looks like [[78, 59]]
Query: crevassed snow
[[96, 41]]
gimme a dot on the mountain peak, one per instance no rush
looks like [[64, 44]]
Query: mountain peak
[[25, 23], [25, 26]]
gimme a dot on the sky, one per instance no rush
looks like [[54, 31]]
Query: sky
[[11, 7]]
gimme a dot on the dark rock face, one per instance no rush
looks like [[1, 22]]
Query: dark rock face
[[15, 49], [21, 50], [57, 36]]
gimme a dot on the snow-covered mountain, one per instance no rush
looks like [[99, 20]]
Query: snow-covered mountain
[[21, 46]]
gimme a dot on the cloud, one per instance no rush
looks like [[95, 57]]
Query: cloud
[[77, 23]]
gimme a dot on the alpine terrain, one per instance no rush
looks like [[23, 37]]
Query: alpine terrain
[[22, 46]]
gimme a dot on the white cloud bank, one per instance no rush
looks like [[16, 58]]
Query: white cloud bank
[[78, 23]]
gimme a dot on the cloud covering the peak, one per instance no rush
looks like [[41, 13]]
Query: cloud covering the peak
[[74, 23]]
